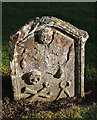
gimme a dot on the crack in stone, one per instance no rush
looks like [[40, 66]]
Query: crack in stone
[[51, 39], [68, 54]]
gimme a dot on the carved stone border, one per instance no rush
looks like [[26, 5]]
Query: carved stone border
[[79, 66], [28, 29]]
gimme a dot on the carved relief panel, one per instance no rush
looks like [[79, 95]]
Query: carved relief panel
[[43, 60]]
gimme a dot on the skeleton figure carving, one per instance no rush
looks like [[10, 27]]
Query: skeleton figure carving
[[43, 59]]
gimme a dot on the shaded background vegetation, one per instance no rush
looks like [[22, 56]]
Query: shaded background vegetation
[[81, 15]]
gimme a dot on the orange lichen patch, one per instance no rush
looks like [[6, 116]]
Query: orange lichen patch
[[55, 20], [15, 50], [55, 47], [49, 38], [53, 29], [62, 41], [15, 57], [67, 27], [19, 39], [22, 34], [63, 23]]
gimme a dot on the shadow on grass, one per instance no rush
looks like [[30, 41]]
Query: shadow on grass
[[91, 89], [7, 90]]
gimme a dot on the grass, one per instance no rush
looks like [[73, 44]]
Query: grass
[[61, 109], [5, 60]]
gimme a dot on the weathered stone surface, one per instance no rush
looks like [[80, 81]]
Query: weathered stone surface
[[47, 60]]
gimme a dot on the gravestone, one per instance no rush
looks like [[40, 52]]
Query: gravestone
[[47, 60]]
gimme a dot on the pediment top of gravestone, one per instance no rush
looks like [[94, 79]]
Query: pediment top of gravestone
[[39, 22]]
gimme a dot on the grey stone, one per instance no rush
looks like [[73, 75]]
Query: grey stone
[[47, 62]]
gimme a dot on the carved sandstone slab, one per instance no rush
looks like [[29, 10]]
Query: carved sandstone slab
[[47, 60]]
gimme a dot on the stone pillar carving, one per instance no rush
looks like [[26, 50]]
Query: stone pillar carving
[[47, 60]]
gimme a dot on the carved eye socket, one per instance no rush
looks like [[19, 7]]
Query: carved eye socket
[[38, 79], [68, 83], [32, 80]]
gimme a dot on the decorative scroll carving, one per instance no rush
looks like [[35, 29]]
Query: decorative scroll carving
[[44, 59]]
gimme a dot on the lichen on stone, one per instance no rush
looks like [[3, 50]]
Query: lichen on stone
[[42, 59]]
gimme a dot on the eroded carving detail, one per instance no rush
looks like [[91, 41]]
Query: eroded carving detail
[[42, 59]]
